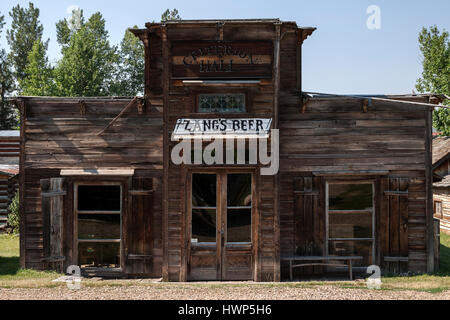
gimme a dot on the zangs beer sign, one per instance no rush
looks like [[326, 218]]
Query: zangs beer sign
[[222, 128]]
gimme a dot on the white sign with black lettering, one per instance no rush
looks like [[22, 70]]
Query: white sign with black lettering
[[222, 128]]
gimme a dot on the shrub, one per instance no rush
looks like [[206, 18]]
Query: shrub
[[13, 217]]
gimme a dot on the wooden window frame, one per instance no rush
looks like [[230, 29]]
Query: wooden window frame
[[76, 184], [440, 215], [327, 211], [246, 92]]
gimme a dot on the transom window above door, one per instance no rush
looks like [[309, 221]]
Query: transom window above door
[[221, 102]]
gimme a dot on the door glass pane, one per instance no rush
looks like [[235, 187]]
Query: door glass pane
[[99, 198], [350, 225], [99, 255], [204, 190], [203, 225], [239, 189], [350, 196], [239, 225], [353, 248], [98, 226]]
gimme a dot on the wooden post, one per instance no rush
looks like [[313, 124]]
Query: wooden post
[[22, 229], [429, 192], [52, 194], [165, 214], [276, 206]]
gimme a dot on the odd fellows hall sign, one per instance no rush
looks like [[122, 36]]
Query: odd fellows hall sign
[[221, 60]]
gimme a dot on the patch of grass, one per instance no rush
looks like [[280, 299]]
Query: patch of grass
[[10, 272], [444, 265]]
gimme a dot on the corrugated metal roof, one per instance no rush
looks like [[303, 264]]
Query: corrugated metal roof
[[9, 133]]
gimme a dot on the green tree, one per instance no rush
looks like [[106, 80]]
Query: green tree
[[435, 48], [170, 15], [88, 60], [25, 30], [39, 74], [8, 118], [129, 75]]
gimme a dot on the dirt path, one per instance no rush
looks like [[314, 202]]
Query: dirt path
[[190, 292]]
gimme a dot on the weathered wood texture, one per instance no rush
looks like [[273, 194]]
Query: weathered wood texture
[[442, 195], [335, 135], [57, 136]]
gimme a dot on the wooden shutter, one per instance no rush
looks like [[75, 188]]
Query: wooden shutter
[[52, 202], [309, 220], [394, 224], [138, 226]]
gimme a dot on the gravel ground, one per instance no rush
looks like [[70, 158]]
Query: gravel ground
[[190, 292]]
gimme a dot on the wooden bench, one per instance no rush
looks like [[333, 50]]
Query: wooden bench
[[324, 261]]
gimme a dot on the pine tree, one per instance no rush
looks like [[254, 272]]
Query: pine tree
[[8, 119], [25, 30]]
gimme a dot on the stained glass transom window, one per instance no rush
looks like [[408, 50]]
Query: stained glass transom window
[[221, 102]]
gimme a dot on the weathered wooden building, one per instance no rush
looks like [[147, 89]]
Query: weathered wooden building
[[441, 186], [9, 171], [100, 188]]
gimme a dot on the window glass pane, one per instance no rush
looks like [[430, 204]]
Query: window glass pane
[[350, 225], [239, 225], [350, 196], [99, 198], [221, 102], [204, 190], [99, 255], [239, 190], [99, 226], [203, 225], [353, 248]]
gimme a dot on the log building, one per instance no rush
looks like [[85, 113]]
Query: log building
[[100, 189], [441, 185]]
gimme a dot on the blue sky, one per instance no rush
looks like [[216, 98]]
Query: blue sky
[[342, 56]]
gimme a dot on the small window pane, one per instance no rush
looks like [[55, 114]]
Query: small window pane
[[99, 255], [239, 225], [350, 196], [203, 225], [98, 198], [239, 190], [221, 102], [99, 226], [204, 190], [353, 248], [350, 225]]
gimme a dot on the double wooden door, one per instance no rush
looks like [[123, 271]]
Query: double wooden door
[[220, 228]]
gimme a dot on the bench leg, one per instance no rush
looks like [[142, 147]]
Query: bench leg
[[350, 271], [290, 269]]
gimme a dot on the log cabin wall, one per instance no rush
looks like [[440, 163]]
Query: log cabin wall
[[64, 133]]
